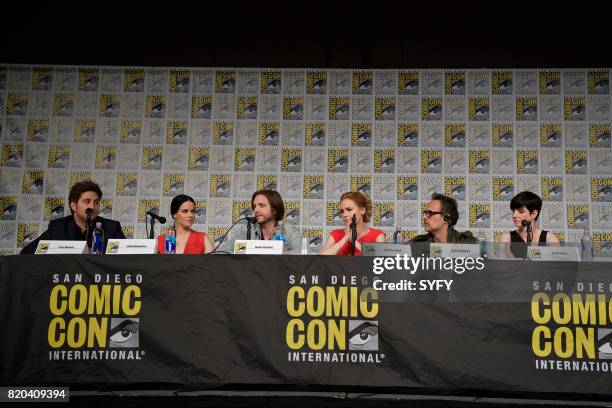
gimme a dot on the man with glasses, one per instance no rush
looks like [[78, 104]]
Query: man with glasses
[[439, 217]]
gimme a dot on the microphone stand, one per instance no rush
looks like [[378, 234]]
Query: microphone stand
[[529, 234], [88, 229], [248, 219], [151, 231], [248, 237], [527, 224], [353, 234]]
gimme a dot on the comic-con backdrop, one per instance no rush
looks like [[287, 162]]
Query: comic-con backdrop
[[219, 134]]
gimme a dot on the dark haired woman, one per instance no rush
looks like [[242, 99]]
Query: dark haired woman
[[188, 240], [526, 207]]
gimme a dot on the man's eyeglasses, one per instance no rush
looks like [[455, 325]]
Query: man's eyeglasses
[[430, 214]]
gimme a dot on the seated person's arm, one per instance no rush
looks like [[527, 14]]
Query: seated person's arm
[[507, 241], [552, 239], [332, 247], [119, 234], [208, 244], [228, 242]]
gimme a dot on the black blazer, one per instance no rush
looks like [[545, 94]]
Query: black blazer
[[64, 229]]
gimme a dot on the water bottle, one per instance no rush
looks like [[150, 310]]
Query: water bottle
[[171, 240], [280, 234], [397, 235], [97, 240], [586, 244], [482, 242]]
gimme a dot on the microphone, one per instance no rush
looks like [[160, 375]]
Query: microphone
[[353, 234], [88, 213], [250, 220], [527, 223], [449, 232], [88, 226], [161, 220]]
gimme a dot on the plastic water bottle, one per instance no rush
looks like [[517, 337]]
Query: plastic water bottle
[[280, 234], [587, 246], [482, 242], [171, 240], [97, 240], [397, 235]]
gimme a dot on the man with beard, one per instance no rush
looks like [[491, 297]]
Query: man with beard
[[84, 197], [268, 210]]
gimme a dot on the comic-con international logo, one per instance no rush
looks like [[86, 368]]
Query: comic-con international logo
[[112, 247], [572, 330], [455, 187], [601, 189], [598, 82], [408, 83], [38, 130], [316, 82], [599, 135], [527, 162], [331, 323], [408, 135], [97, 320], [454, 135], [42, 78], [501, 83]]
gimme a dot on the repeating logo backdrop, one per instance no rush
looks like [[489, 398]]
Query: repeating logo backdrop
[[147, 134]]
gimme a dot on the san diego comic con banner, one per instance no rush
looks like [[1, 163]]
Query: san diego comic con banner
[[428, 323], [218, 134]]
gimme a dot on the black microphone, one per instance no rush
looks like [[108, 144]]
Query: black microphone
[[161, 220], [88, 226], [527, 223], [449, 232], [249, 220], [88, 213], [252, 220], [353, 234]]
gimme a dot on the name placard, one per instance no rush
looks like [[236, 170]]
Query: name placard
[[131, 246], [385, 249], [55, 247], [553, 253], [258, 247], [438, 250]]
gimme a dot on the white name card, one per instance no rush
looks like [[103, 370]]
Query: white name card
[[384, 249], [258, 247], [553, 253], [437, 250], [54, 247], [131, 246]]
